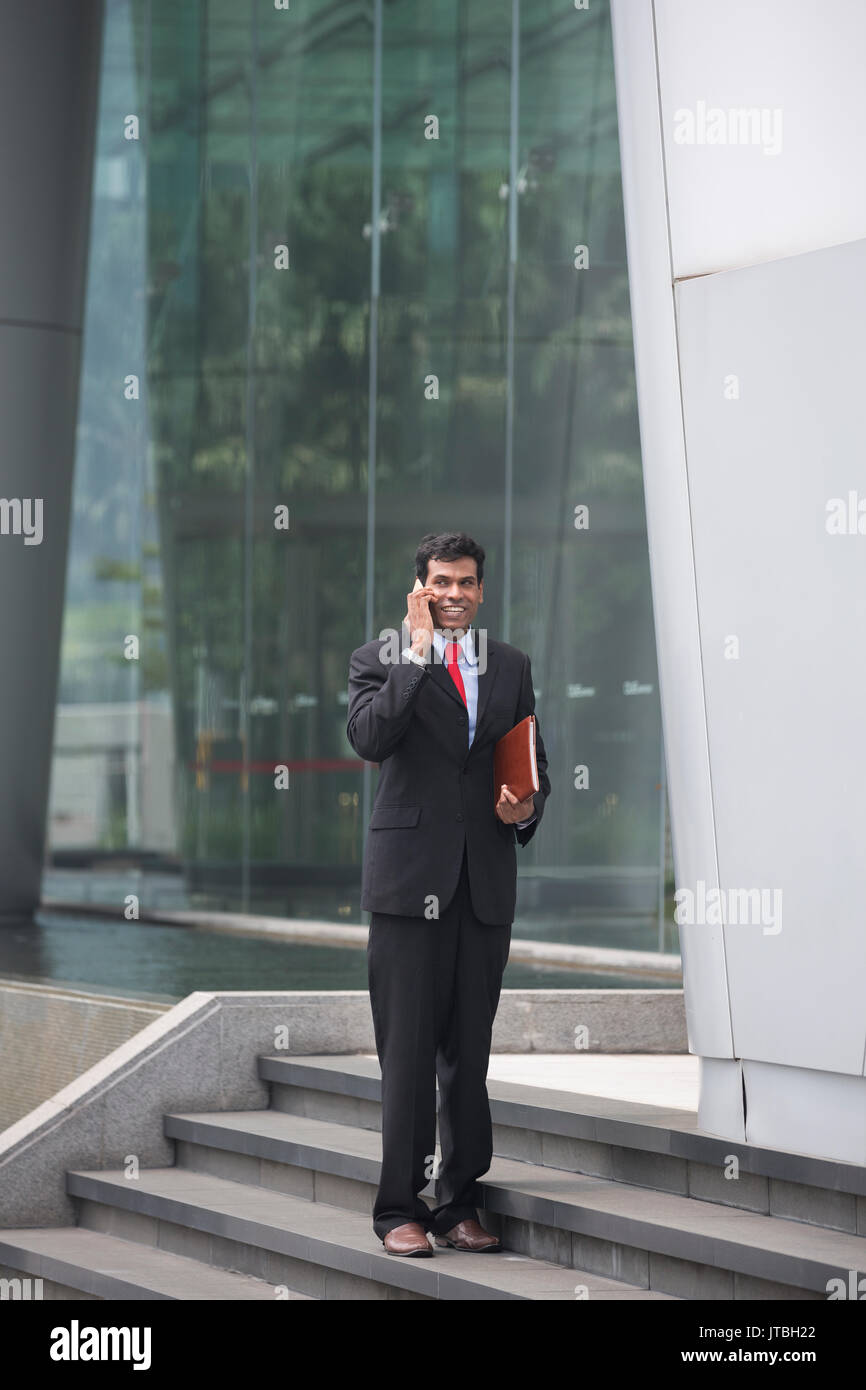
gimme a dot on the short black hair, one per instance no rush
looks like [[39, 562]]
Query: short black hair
[[447, 545]]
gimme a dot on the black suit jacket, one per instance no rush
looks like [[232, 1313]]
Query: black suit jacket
[[435, 792]]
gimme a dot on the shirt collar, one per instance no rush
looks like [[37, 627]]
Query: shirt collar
[[466, 644]]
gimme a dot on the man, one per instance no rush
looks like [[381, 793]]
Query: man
[[440, 880]]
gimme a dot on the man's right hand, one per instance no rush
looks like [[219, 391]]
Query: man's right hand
[[419, 619]]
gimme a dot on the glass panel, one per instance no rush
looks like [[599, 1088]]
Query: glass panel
[[580, 593], [113, 795], [320, 383]]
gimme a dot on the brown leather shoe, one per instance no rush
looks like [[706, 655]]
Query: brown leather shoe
[[470, 1235], [409, 1239]]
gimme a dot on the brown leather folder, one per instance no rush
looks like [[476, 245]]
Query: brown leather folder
[[514, 761]]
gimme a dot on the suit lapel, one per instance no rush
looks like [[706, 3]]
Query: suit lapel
[[439, 675], [438, 672]]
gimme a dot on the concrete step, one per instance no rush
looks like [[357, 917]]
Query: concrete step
[[100, 1266], [620, 1140], [575, 1219], [310, 1246]]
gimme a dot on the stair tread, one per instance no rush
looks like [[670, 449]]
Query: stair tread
[[604, 1107], [565, 1189], [602, 1119], [61, 1253], [322, 1232]]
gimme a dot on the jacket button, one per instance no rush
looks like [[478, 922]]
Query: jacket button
[[459, 815]]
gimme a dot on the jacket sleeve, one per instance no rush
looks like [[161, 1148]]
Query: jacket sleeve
[[526, 706], [381, 701]]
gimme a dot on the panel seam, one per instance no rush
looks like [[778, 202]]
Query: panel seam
[[689, 507]]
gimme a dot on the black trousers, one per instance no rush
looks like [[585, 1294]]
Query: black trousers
[[434, 991]]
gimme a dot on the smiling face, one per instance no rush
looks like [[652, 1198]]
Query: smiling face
[[458, 592]]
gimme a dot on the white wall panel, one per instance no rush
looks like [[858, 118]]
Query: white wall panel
[[720, 1108], [731, 204], [752, 266], [668, 523], [806, 1111], [786, 715]]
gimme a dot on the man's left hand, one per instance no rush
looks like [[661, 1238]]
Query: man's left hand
[[510, 810]]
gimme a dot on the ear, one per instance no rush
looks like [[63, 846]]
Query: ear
[[481, 592]]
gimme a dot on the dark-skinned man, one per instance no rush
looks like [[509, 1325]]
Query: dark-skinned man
[[440, 880]]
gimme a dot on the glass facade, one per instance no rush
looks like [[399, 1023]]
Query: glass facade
[[356, 274]]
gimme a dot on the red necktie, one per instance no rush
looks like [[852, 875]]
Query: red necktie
[[454, 669]]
